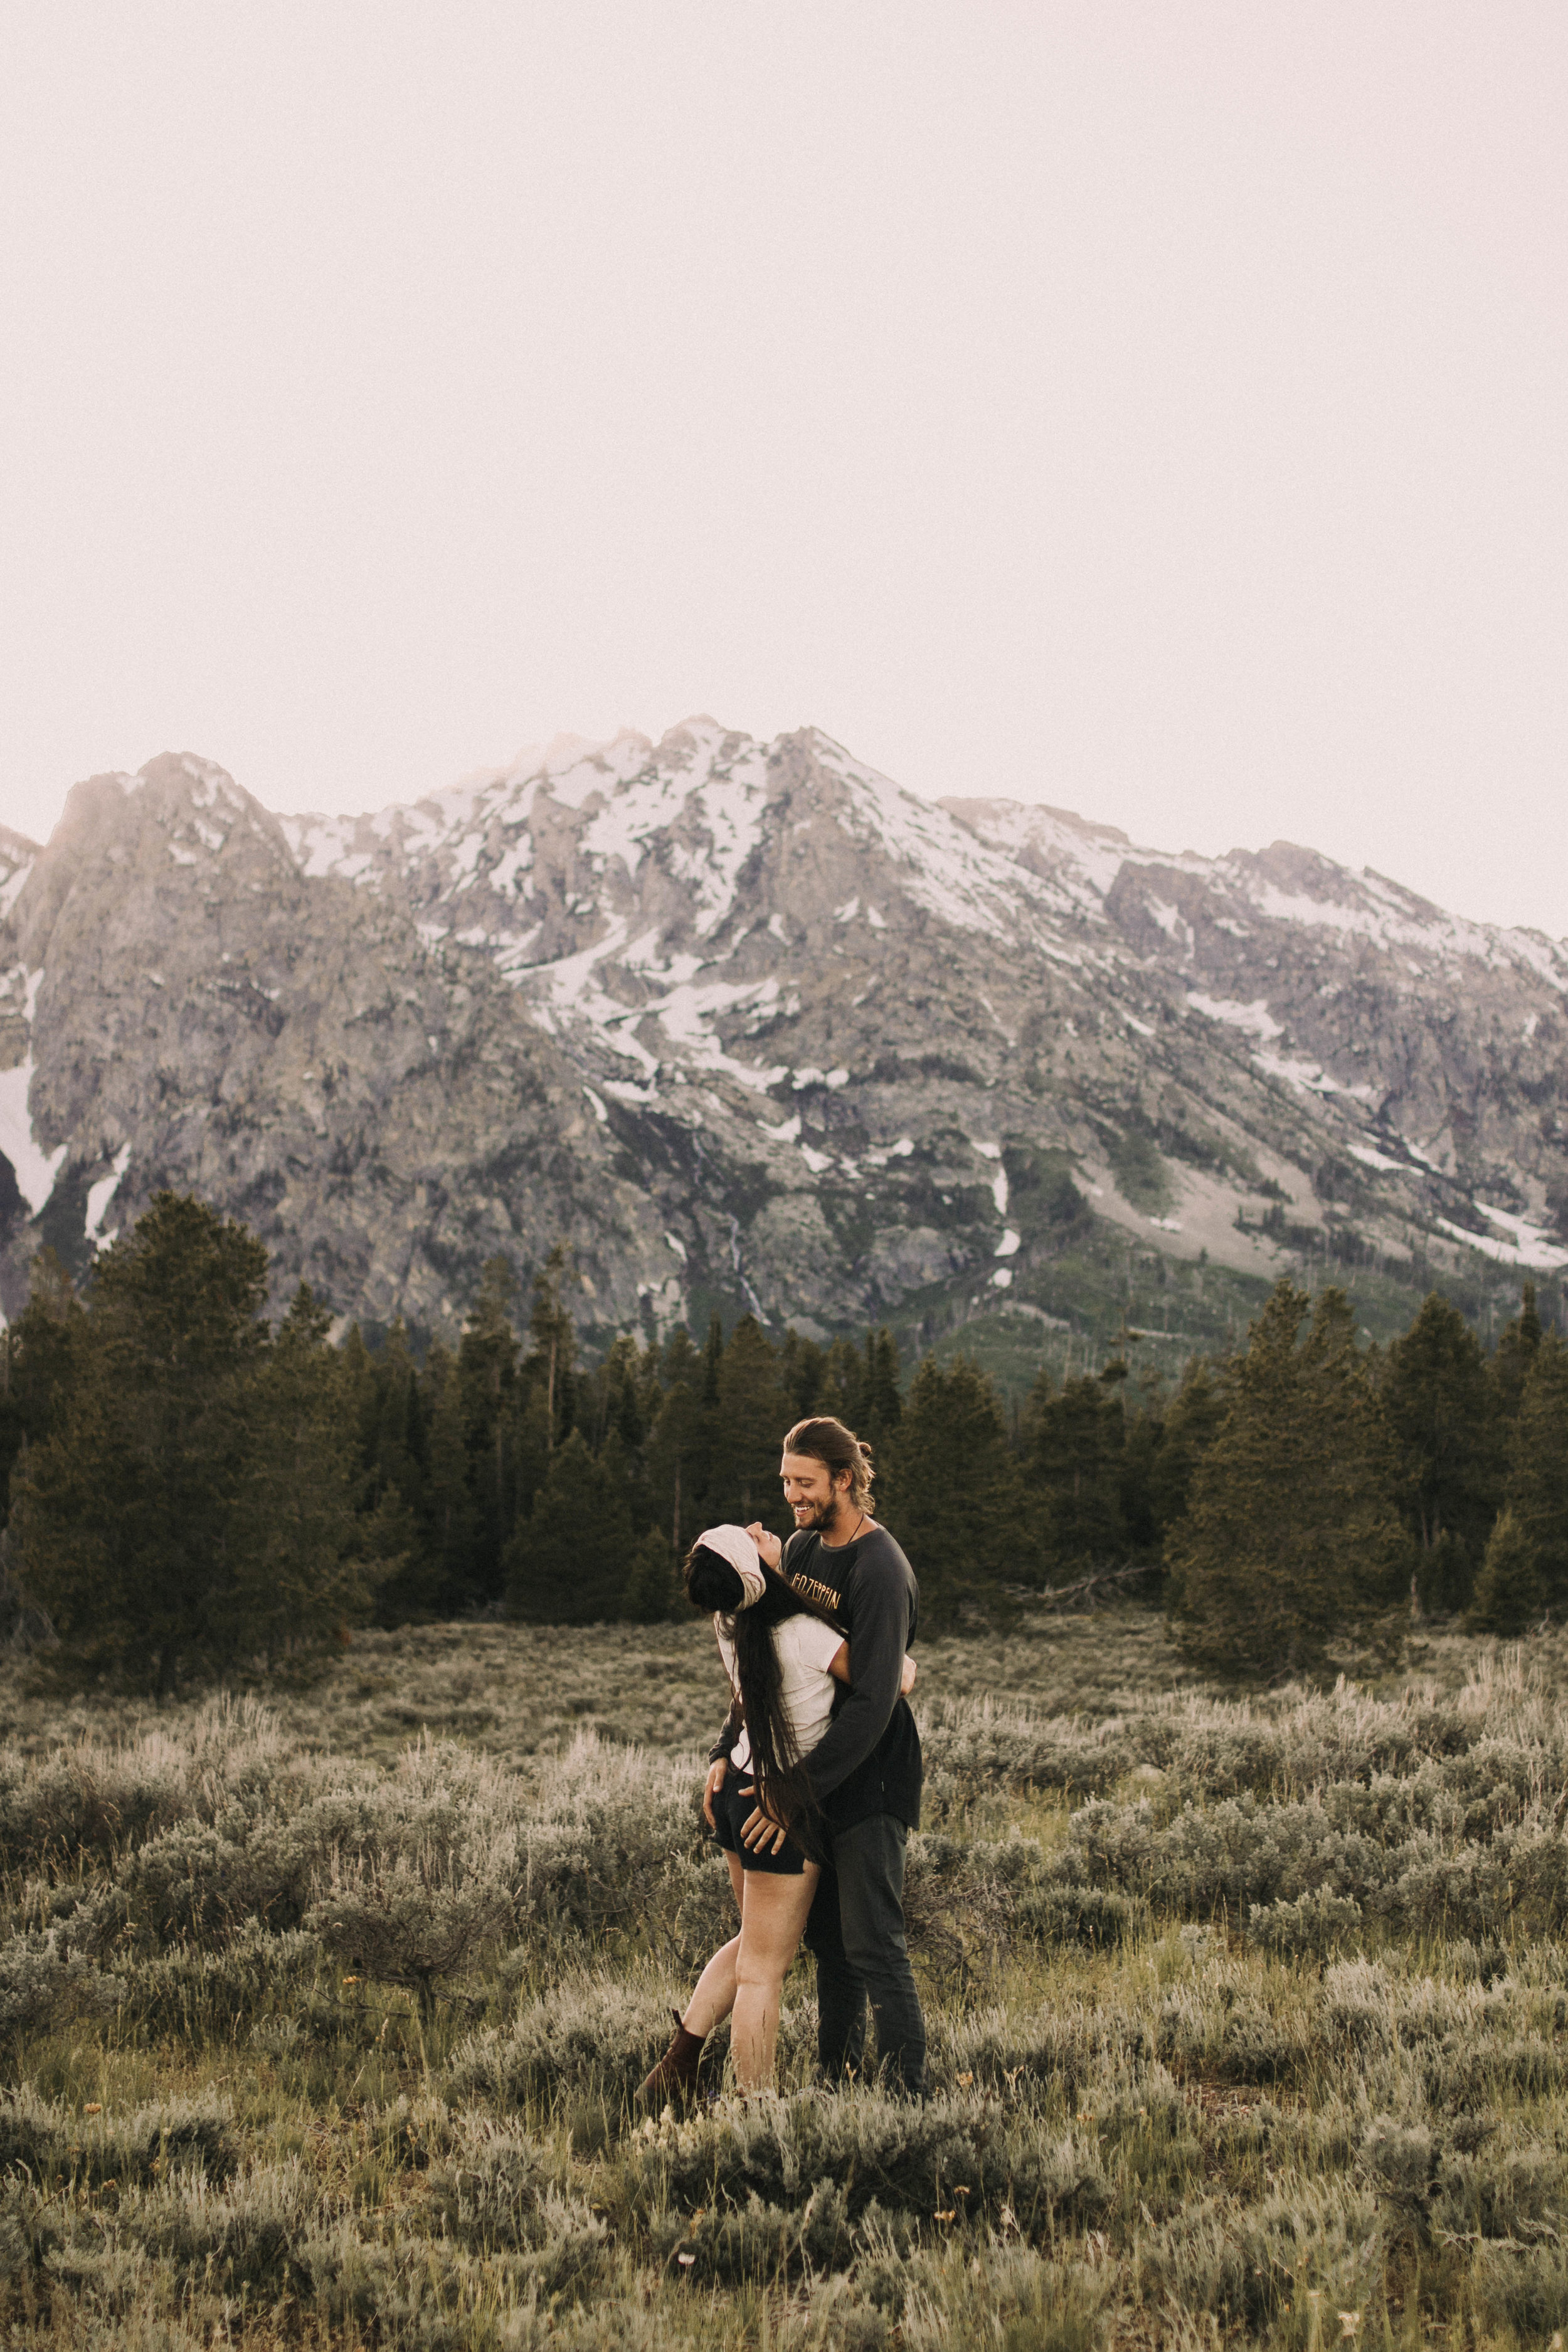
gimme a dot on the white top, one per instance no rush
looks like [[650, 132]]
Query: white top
[[804, 1645]]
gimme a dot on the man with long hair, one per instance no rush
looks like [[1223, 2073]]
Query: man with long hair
[[864, 1774]]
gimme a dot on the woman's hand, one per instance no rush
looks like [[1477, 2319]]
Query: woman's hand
[[711, 1788], [759, 1831], [906, 1679], [769, 1551]]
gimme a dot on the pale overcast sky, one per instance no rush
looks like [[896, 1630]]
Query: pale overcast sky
[[1157, 410]]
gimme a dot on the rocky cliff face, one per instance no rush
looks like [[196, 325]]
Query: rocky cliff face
[[750, 1025]]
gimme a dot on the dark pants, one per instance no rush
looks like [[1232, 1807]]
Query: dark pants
[[856, 1931]]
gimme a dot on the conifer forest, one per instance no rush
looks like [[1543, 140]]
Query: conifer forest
[[353, 1726]]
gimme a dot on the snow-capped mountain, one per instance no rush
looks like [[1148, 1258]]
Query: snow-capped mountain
[[749, 1024]]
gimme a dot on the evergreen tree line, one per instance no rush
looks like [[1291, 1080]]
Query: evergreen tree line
[[1344, 1490], [189, 1487]]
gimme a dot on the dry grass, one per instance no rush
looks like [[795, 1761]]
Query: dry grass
[[1247, 2015]]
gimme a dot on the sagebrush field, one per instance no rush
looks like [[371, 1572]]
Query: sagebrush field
[[321, 2012]]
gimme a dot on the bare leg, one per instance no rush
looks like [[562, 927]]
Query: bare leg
[[715, 1995], [773, 1914]]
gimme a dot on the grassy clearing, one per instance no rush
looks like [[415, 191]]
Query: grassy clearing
[[321, 2013]]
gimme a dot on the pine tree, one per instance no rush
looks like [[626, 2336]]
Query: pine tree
[[401, 1455], [1291, 1540], [1143, 1422], [1516, 1352], [569, 1563], [622, 1473], [553, 1357], [1073, 1470], [36, 1353], [1189, 1424], [678, 1452], [802, 1374], [640, 1398], [881, 1405], [653, 1593], [712, 1358], [681, 1363], [487, 1381], [842, 1390], [678, 1464], [621, 1388], [1508, 1594], [1538, 1474], [362, 1392], [448, 1515], [753, 1417], [1445, 1415], [955, 1499], [533, 1447], [298, 1573], [130, 1517], [392, 1472], [616, 1392]]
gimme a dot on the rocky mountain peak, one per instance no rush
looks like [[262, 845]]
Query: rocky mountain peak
[[749, 1024]]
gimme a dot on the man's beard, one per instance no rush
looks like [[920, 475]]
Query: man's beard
[[816, 1514]]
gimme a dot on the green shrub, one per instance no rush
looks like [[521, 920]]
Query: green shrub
[[1249, 2263], [902, 2155], [732, 2243], [53, 2141], [492, 2193], [421, 1919], [590, 2032], [197, 1994], [42, 1982]]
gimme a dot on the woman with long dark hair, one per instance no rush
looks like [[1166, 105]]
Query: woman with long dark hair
[[783, 1652]]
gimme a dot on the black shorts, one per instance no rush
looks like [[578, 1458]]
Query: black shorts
[[731, 1810]]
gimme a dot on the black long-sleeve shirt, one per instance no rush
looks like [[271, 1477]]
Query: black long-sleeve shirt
[[868, 1760]]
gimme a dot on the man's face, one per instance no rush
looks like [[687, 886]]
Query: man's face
[[811, 1489]]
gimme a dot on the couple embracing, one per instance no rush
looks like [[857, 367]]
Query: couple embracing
[[816, 1779]]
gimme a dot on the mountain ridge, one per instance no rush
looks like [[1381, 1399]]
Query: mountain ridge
[[752, 1025]]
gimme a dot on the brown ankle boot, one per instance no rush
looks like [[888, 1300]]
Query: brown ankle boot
[[675, 2076]]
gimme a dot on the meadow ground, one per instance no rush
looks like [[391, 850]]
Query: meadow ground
[[322, 2010]]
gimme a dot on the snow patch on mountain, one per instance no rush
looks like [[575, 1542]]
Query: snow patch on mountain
[[711, 814], [100, 1194], [1079, 860], [18, 859], [319, 845], [1380, 918], [941, 866], [34, 1168], [1082, 862], [1528, 1246], [1309, 1077], [1255, 1019]]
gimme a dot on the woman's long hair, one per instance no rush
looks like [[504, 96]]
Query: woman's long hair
[[712, 1584]]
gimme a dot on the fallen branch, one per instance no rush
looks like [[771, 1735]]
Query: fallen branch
[[1056, 1596]]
